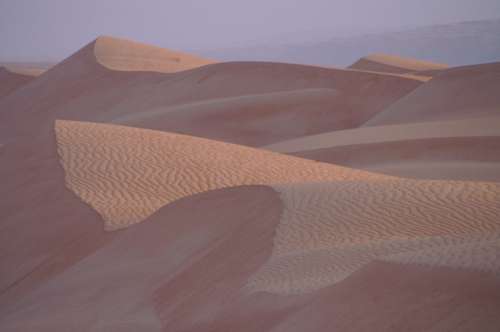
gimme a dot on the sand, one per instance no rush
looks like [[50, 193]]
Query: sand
[[456, 93], [12, 79], [453, 150], [126, 174], [397, 65], [127, 206], [329, 230], [80, 88], [126, 55]]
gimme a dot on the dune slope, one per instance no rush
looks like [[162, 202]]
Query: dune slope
[[11, 80], [457, 93], [455, 149]]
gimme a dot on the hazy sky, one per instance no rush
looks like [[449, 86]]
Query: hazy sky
[[52, 29]]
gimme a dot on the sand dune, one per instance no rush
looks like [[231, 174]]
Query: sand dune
[[126, 173], [126, 55], [80, 88], [397, 65], [457, 93]]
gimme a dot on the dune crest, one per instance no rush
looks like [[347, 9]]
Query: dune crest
[[396, 65], [126, 173], [125, 55]]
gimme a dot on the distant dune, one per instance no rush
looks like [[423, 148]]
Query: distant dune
[[396, 65], [131, 203]]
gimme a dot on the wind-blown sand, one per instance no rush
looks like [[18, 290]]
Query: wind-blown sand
[[108, 227]]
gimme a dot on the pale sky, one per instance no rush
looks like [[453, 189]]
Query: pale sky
[[53, 29]]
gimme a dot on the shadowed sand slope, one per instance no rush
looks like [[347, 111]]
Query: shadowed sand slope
[[126, 173], [396, 65], [11, 79], [126, 55], [441, 150], [260, 103], [456, 93], [123, 285]]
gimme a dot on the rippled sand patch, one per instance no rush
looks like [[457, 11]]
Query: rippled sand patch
[[330, 230], [127, 173]]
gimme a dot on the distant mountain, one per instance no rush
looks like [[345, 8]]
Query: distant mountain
[[455, 44]]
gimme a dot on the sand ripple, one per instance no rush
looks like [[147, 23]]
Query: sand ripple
[[329, 230], [126, 174]]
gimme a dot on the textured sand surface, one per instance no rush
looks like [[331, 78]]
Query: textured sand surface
[[127, 55], [397, 65], [126, 173], [329, 230], [456, 93]]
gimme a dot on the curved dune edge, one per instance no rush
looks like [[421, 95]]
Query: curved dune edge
[[395, 64], [481, 127], [125, 55], [330, 230], [126, 174]]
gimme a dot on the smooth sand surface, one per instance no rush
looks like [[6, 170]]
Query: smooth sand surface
[[456, 93], [481, 127], [453, 150], [397, 65]]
